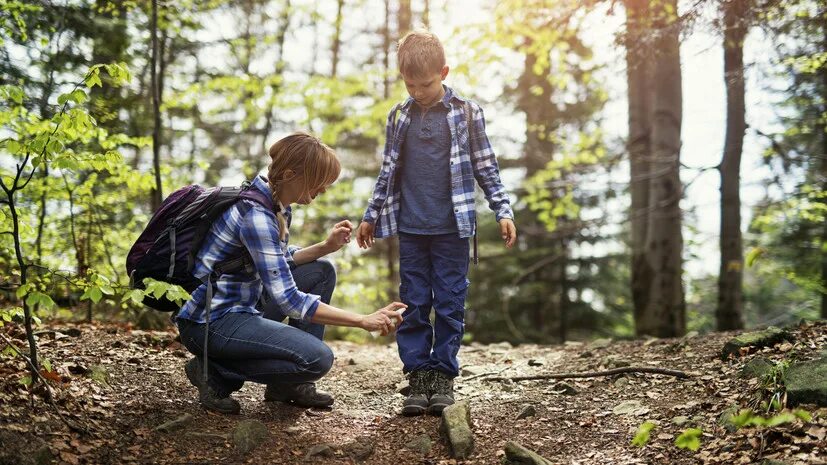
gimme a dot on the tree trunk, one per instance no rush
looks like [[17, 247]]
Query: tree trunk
[[337, 39], [157, 192], [664, 314], [639, 145], [823, 166], [403, 18], [729, 313]]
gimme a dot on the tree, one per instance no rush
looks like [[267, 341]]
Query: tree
[[654, 141], [729, 311]]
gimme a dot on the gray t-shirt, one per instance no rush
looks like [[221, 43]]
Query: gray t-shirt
[[426, 207]]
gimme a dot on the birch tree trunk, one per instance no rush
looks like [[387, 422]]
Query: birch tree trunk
[[664, 314]]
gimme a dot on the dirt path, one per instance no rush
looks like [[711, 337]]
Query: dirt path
[[144, 386]]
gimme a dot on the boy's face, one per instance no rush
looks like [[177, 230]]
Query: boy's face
[[426, 90]]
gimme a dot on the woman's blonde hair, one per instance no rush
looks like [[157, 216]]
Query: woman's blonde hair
[[306, 156]]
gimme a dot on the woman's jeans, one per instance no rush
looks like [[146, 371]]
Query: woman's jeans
[[260, 348]]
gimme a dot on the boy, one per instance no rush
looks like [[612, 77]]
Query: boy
[[425, 193]]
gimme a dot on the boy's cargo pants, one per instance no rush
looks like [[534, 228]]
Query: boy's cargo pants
[[434, 274]]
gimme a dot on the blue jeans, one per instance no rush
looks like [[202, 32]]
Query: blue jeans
[[259, 348], [434, 274]]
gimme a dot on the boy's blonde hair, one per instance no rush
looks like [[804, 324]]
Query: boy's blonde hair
[[307, 156], [420, 53]]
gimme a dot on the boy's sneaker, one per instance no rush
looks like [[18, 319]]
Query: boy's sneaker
[[443, 392], [417, 401], [209, 399], [301, 394]]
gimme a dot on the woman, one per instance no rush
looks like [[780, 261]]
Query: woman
[[246, 340]]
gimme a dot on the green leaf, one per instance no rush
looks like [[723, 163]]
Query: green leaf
[[689, 439], [803, 415], [642, 434], [26, 381], [13, 146], [780, 419], [753, 255], [47, 364], [93, 79]]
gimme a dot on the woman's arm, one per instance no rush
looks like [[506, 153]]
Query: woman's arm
[[382, 320]]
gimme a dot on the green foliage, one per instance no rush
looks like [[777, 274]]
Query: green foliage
[[159, 289], [747, 418], [689, 439], [642, 434]]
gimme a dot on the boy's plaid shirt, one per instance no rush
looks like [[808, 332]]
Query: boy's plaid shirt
[[469, 162], [248, 225]]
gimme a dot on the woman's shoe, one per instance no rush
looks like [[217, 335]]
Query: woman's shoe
[[207, 396], [417, 401], [443, 393], [301, 394]]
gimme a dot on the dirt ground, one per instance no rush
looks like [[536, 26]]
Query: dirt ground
[[119, 384]]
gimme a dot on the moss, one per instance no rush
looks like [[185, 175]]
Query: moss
[[765, 338], [807, 383]]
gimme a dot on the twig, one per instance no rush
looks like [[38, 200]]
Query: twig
[[49, 396], [485, 374], [594, 374]]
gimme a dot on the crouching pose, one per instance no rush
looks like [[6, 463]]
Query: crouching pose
[[245, 338]]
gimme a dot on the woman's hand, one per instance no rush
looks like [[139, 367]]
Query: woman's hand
[[339, 236], [384, 319]]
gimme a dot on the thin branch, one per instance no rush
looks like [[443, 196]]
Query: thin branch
[[595, 374]]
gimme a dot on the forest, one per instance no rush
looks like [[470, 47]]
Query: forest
[[666, 162]]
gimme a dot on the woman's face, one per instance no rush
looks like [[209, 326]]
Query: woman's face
[[293, 190]]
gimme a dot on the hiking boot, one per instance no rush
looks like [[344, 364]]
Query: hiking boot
[[417, 401], [442, 392], [301, 394], [207, 396]]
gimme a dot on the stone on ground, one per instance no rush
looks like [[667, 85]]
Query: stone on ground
[[516, 454], [527, 411], [601, 343], [456, 427], [421, 444], [319, 450], [807, 382], [757, 368], [359, 449], [249, 434], [757, 339]]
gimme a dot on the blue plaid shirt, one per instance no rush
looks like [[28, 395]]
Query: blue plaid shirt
[[470, 160], [248, 225]]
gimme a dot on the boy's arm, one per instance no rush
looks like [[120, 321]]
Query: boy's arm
[[380, 189], [486, 170]]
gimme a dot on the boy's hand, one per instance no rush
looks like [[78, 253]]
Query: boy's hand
[[508, 232], [339, 235], [364, 235]]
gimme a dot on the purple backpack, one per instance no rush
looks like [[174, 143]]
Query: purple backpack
[[167, 248]]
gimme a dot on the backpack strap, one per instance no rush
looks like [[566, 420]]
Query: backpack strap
[[469, 123]]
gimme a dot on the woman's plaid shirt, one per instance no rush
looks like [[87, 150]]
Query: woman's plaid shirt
[[248, 225]]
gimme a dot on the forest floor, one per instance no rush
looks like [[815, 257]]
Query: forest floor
[[120, 384]]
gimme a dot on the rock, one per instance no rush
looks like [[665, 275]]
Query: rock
[[456, 428], [630, 407], [586, 354], [403, 387], [249, 434], [601, 343], [613, 361], [535, 363], [765, 338], [74, 332], [807, 382], [680, 420], [351, 361], [421, 444], [516, 454], [725, 417], [18, 449], [176, 424], [622, 382], [360, 449], [564, 388], [99, 374], [319, 450], [470, 371], [527, 411], [292, 430], [690, 335], [756, 368]]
